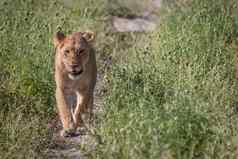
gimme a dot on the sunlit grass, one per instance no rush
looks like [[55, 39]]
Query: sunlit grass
[[176, 92], [26, 60], [172, 92]]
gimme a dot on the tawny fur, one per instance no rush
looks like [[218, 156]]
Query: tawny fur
[[74, 93]]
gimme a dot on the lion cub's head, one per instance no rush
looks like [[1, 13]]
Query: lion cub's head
[[74, 51]]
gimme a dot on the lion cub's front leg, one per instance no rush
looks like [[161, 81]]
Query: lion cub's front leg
[[64, 113], [84, 101]]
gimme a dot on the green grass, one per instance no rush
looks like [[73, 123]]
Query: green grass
[[171, 94], [26, 76], [175, 91]]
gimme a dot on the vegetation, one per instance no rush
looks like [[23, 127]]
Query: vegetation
[[171, 93], [174, 93], [26, 76]]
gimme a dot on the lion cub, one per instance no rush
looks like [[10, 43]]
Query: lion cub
[[75, 77]]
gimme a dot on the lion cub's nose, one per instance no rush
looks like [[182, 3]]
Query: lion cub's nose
[[74, 66]]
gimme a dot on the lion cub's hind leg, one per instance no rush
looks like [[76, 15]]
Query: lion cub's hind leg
[[90, 109]]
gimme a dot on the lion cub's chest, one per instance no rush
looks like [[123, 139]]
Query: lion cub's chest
[[75, 85]]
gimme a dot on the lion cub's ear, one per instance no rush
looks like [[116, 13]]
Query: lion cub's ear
[[59, 38], [89, 36]]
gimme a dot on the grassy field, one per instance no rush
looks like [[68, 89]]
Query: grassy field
[[27, 101], [172, 93]]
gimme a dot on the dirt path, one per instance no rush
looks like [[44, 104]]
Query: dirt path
[[79, 147], [147, 21]]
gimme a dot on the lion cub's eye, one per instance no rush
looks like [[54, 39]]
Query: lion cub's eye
[[80, 51], [66, 52]]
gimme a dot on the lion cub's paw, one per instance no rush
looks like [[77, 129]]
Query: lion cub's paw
[[68, 133]]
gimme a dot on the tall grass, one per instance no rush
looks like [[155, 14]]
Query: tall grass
[[172, 94], [27, 100], [175, 95]]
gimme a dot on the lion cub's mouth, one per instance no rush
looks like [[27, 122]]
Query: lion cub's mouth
[[75, 75]]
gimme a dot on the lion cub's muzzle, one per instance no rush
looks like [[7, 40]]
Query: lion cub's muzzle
[[75, 71]]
